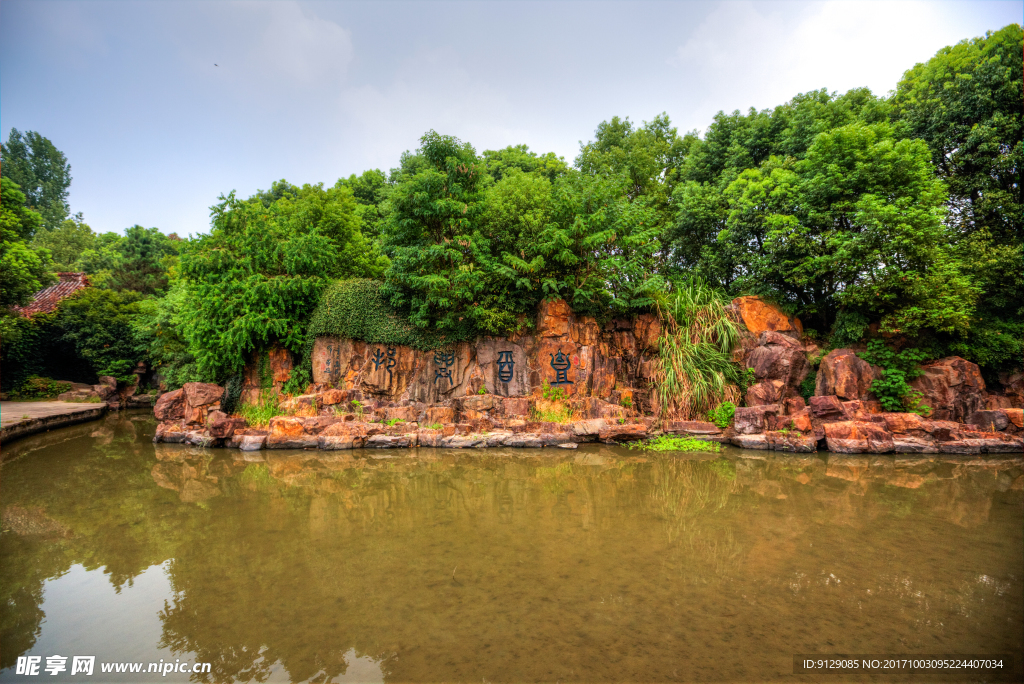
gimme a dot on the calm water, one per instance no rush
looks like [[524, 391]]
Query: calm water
[[600, 564]]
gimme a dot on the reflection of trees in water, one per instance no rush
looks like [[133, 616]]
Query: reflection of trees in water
[[327, 557]]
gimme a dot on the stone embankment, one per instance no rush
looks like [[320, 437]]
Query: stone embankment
[[109, 391], [23, 418], [487, 393]]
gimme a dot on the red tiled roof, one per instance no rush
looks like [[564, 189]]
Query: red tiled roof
[[47, 300]]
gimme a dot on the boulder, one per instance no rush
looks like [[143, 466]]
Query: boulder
[[750, 420], [478, 402], [170, 405], [691, 427], [767, 392], [391, 441], [952, 387], [858, 437], [516, 406], [1016, 417], [553, 318], [588, 428], [903, 423], [170, 433], [223, 426], [778, 357], [463, 441], [760, 316], [627, 432], [199, 394], [791, 441], [846, 375], [524, 440], [439, 415], [288, 432], [332, 397], [795, 405], [1013, 388], [750, 441], [989, 420], [827, 408], [861, 410], [903, 443]]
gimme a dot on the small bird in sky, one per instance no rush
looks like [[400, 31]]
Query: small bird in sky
[[216, 65]]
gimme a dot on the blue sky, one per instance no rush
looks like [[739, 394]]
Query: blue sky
[[312, 91]]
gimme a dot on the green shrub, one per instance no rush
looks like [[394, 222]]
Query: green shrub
[[722, 415], [553, 393], [898, 368], [433, 426], [560, 414], [626, 402], [670, 443], [36, 387], [809, 384]]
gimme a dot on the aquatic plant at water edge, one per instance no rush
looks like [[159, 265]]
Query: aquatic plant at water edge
[[670, 443]]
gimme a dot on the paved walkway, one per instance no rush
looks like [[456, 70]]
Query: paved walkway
[[21, 418]]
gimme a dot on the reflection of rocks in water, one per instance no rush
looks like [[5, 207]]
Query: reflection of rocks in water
[[32, 522], [190, 471]]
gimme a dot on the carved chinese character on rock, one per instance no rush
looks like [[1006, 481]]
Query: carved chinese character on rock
[[505, 366], [377, 358], [444, 362], [561, 363]]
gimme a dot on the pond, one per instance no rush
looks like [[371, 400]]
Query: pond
[[600, 564]]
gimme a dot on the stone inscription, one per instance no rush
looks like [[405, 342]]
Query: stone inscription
[[505, 366], [561, 363], [444, 362]]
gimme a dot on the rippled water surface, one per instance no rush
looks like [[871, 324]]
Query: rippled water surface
[[600, 564]]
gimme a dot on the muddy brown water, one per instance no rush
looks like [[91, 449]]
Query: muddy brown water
[[595, 565]]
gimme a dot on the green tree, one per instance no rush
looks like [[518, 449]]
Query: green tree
[[67, 242], [966, 103], [500, 162], [42, 171], [439, 257], [857, 224], [100, 325], [145, 254], [24, 270], [255, 279]]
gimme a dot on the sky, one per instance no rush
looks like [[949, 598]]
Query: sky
[[162, 106]]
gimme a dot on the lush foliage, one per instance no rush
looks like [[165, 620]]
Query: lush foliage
[[722, 414], [898, 369], [36, 387], [255, 279], [42, 172], [695, 370], [99, 323], [23, 270]]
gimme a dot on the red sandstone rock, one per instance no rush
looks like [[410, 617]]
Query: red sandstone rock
[[989, 420], [1015, 416], [952, 387], [778, 357], [858, 437], [758, 315], [846, 375], [691, 427], [223, 426], [170, 406], [795, 405], [439, 415], [764, 393], [553, 318], [199, 394], [902, 423], [627, 432], [332, 397], [827, 408], [750, 420], [792, 442]]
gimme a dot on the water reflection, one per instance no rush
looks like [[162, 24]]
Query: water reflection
[[598, 565]]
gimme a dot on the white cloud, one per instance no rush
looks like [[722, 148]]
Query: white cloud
[[762, 54]]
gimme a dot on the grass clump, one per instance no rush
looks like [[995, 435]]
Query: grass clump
[[670, 443], [259, 413], [433, 426], [694, 370]]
